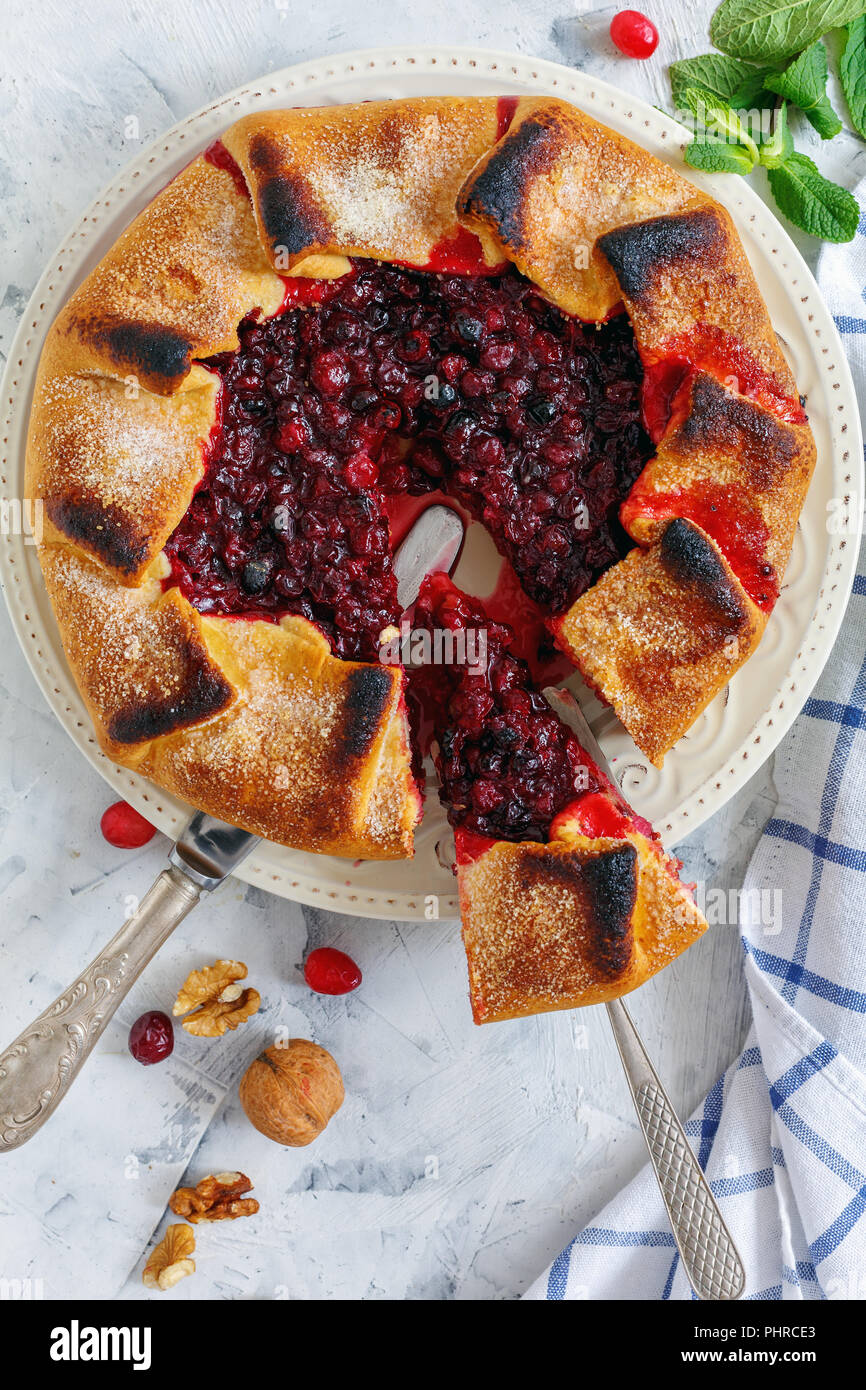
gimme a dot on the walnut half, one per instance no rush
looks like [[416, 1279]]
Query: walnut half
[[213, 1000], [170, 1260], [216, 1198]]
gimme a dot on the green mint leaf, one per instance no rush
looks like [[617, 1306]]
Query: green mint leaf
[[714, 73], [779, 147], [811, 202], [752, 93], [852, 71], [766, 29], [718, 118], [805, 82], [824, 119], [718, 157]]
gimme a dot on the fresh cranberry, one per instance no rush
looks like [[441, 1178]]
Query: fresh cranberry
[[634, 34], [151, 1038], [329, 971], [124, 827]]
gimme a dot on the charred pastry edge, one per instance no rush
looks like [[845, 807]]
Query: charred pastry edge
[[160, 357], [612, 882], [775, 459], [629, 916], [637, 252], [163, 357], [206, 695], [604, 879], [496, 194], [716, 416], [102, 530], [289, 217], [693, 563], [722, 629], [370, 693]]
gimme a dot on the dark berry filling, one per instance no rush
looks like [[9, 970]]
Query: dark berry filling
[[406, 381], [507, 764]]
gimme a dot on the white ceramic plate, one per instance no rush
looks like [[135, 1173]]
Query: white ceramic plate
[[738, 731]]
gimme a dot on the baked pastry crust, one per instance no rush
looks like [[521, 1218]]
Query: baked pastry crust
[[123, 413], [555, 183], [378, 180], [683, 625], [739, 469], [577, 921]]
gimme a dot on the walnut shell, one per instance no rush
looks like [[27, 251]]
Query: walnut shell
[[289, 1093]]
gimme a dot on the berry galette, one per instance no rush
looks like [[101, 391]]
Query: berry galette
[[331, 316]]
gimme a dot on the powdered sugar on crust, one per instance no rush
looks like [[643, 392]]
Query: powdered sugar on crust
[[659, 644], [539, 923], [103, 445], [137, 653], [184, 274], [380, 179], [405, 181], [395, 802], [298, 760]]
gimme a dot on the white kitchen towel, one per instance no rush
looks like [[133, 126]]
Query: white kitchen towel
[[782, 1135]]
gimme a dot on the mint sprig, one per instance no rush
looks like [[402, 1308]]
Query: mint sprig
[[778, 147], [820, 207], [773, 58], [805, 83], [763, 29], [716, 157], [753, 91], [718, 119], [714, 72]]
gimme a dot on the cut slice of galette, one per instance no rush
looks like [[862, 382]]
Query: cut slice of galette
[[567, 897]]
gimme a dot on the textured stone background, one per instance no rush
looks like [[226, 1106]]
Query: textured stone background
[[463, 1159]]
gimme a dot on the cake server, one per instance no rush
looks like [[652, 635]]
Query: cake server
[[39, 1067], [710, 1258]]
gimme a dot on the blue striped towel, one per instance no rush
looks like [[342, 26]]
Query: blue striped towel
[[782, 1135]]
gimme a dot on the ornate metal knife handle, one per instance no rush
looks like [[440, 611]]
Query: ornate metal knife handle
[[708, 1253], [42, 1063]]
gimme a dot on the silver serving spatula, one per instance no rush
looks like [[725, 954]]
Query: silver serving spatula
[[710, 1258], [37, 1070]]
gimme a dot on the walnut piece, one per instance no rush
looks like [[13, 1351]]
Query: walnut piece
[[216, 1198], [214, 1001], [170, 1260]]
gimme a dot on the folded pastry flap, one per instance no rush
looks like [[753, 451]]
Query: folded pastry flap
[[173, 288], [661, 633], [736, 469], [139, 655], [300, 756], [378, 179], [691, 294], [569, 923], [553, 185], [115, 466]]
